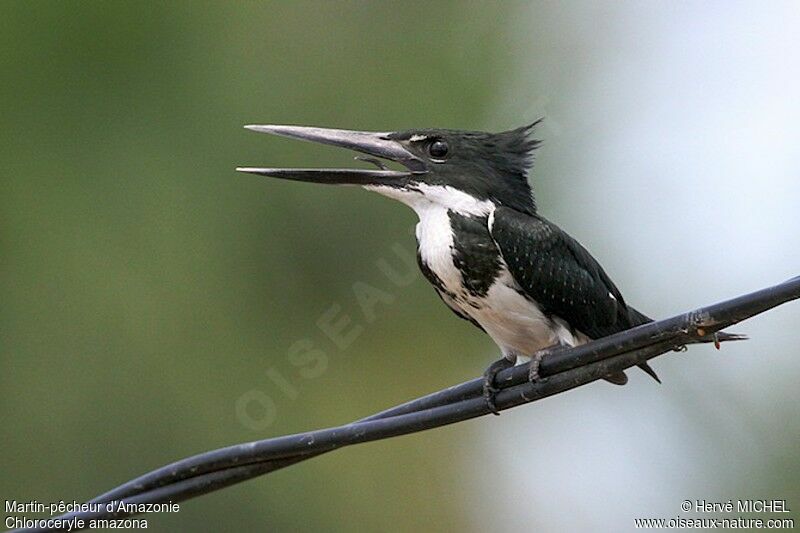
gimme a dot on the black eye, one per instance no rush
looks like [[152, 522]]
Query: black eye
[[438, 149]]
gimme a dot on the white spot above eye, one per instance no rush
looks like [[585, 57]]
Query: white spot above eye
[[417, 138], [612, 296]]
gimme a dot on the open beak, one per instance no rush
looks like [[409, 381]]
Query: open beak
[[374, 144]]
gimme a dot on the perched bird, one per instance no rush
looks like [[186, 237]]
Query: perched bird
[[491, 257]]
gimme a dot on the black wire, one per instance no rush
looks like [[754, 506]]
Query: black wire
[[561, 370]]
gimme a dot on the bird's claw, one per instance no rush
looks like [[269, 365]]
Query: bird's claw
[[533, 367], [489, 389], [489, 394]]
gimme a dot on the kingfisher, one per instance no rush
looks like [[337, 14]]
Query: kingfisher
[[490, 256]]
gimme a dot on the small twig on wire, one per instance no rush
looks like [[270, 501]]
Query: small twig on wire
[[561, 370]]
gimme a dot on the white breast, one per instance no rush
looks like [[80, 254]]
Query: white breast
[[514, 322], [435, 238], [434, 234]]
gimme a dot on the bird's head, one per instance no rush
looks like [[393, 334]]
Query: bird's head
[[458, 169]]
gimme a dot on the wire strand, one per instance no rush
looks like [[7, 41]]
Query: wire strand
[[561, 369]]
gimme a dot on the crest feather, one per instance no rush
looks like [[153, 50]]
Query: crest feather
[[518, 147]]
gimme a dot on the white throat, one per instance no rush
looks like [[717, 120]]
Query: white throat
[[433, 204], [422, 197]]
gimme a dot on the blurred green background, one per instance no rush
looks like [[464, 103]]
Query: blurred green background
[[152, 297]]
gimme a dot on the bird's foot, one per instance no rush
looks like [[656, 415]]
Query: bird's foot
[[489, 389], [533, 367]]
